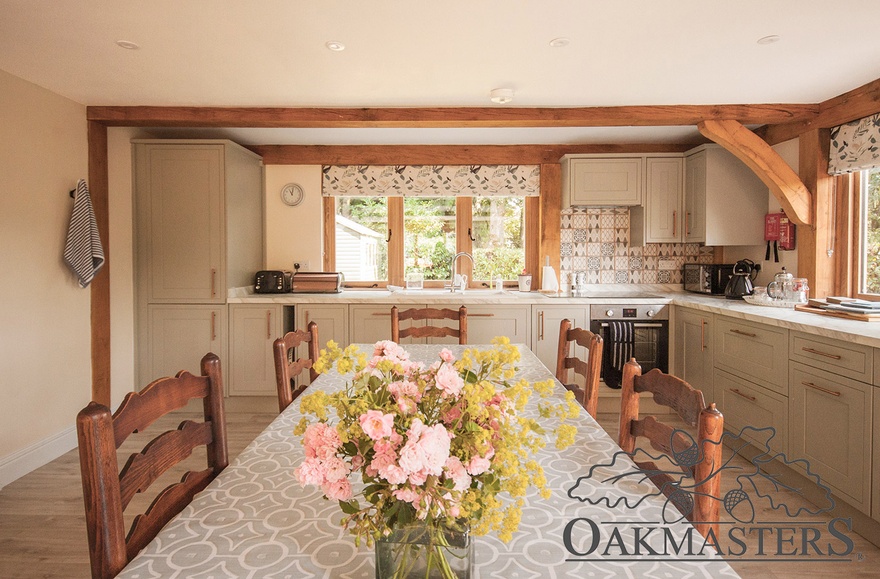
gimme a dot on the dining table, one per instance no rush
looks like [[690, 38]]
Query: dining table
[[255, 520]]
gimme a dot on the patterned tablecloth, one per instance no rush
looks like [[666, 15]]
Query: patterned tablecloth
[[255, 521]]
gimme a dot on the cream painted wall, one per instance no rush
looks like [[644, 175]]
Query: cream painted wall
[[293, 233], [45, 360], [790, 152]]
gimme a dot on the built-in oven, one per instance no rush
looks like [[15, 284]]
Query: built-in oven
[[631, 331]]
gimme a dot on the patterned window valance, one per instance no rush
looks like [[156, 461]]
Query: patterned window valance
[[855, 146], [432, 180]]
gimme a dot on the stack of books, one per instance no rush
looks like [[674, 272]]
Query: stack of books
[[863, 308]]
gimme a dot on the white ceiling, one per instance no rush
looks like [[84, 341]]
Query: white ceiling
[[418, 53]]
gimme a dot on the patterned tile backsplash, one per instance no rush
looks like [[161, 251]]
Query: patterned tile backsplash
[[595, 240]]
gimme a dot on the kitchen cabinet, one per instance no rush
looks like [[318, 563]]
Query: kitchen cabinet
[[757, 352], [875, 476], [831, 428], [487, 322], [601, 180], [724, 201], [179, 336], [198, 232], [252, 331], [371, 323], [198, 208], [851, 360], [332, 320], [660, 219], [692, 343], [545, 332], [758, 414]]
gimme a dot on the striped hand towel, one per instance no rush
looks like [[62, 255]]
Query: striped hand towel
[[83, 252], [621, 336]]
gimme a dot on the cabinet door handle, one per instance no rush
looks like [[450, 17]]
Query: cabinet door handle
[[382, 314], [213, 326], [674, 222], [702, 335], [817, 352], [470, 315], [541, 318], [213, 282], [820, 389], [747, 334], [746, 396], [687, 223], [268, 324]]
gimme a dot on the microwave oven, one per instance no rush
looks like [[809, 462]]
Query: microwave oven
[[707, 278]]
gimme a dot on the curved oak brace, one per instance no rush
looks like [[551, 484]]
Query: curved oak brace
[[752, 150]]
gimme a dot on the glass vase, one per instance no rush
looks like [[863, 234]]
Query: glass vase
[[425, 551]]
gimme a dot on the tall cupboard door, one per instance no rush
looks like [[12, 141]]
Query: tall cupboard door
[[179, 335], [252, 331], [180, 216], [695, 198]]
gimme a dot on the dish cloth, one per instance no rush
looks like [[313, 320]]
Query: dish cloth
[[83, 252], [621, 335]]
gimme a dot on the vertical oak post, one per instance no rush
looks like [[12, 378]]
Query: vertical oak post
[[816, 239], [100, 287]]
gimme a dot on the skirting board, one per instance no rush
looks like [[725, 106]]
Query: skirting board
[[21, 462]]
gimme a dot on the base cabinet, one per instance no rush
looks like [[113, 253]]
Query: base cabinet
[[755, 351], [370, 323], [692, 359], [487, 322], [831, 429], [758, 415], [332, 320], [545, 334], [178, 336], [875, 499], [252, 331]]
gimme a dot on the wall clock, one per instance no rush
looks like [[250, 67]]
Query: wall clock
[[292, 194]]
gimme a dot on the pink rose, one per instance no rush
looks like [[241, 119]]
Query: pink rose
[[448, 380], [310, 472], [478, 465], [426, 449], [406, 406], [376, 425], [335, 469], [337, 491], [455, 470], [447, 356], [393, 474], [407, 495], [321, 440]]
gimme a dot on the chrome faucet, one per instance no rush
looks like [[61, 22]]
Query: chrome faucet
[[454, 262]]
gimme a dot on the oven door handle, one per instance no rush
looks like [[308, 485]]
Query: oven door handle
[[637, 325]]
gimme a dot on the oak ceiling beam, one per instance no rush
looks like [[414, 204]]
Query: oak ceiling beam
[[752, 150], [850, 106], [443, 154], [444, 117]]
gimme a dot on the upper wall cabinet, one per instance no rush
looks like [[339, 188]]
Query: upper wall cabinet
[[198, 219], [603, 180], [724, 201]]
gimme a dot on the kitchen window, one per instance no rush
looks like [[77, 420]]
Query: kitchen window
[[869, 234], [422, 234]]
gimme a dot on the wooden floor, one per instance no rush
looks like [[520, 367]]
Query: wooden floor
[[42, 527]]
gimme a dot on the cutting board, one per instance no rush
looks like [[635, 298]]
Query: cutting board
[[841, 315]]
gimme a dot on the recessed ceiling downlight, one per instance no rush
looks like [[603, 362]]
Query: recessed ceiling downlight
[[769, 39], [335, 46], [501, 96], [127, 45], [560, 42]]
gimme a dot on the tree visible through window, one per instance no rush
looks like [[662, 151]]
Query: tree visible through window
[[429, 236], [871, 231], [499, 237]]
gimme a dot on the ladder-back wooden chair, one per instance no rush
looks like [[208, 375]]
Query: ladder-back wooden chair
[[700, 459], [427, 330], [589, 370], [107, 491], [288, 367]]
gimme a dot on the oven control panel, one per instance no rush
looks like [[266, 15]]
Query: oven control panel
[[630, 312]]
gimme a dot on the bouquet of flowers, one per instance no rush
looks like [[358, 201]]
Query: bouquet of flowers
[[433, 444]]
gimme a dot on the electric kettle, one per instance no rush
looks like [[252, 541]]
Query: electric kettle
[[740, 283]]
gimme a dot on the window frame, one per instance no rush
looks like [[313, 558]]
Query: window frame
[[463, 222], [858, 237]]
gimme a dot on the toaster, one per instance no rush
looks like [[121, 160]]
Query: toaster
[[272, 281]]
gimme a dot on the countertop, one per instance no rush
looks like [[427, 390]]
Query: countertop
[[853, 331]]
